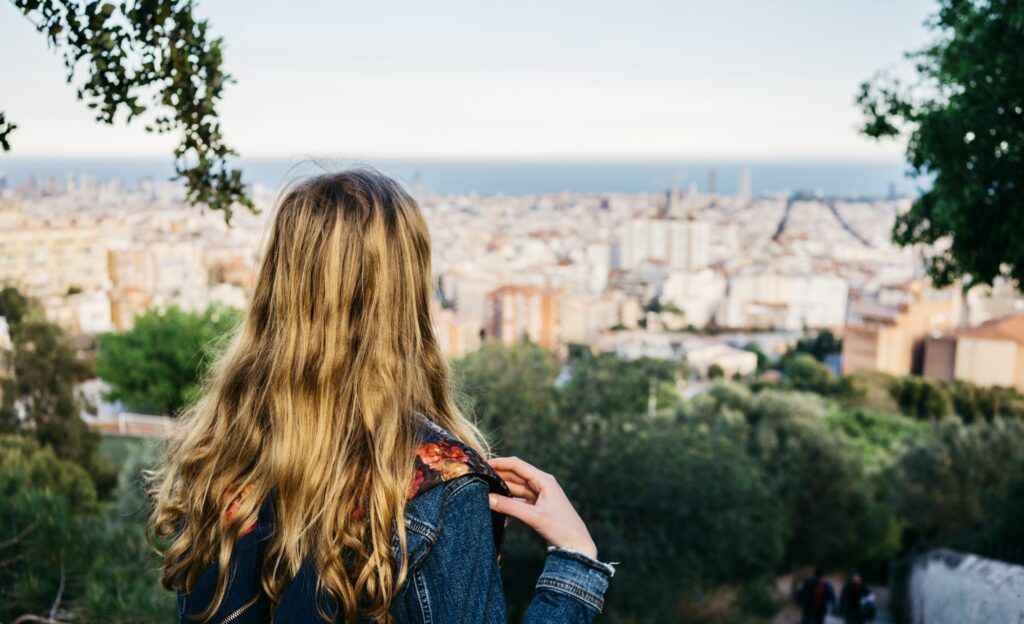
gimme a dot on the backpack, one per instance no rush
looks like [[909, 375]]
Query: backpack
[[868, 607], [819, 597]]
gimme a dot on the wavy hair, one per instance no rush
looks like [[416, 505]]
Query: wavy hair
[[315, 400]]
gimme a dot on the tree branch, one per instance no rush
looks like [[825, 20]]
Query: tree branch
[[20, 536]]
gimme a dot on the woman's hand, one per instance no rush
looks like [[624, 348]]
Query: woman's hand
[[540, 503]]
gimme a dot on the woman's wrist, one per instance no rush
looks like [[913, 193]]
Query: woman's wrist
[[607, 568], [587, 549]]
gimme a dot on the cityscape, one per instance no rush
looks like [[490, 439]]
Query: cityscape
[[686, 274]]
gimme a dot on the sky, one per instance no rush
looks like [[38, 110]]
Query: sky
[[528, 79]]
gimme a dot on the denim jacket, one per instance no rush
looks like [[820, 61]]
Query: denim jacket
[[452, 544]]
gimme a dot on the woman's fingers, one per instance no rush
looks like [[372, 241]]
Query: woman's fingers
[[514, 507], [511, 477], [521, 491], [543, 505], [535, 477]]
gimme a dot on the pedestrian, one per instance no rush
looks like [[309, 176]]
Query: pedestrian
[[857, 602], [816, 598]]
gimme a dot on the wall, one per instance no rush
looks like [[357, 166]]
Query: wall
[[948, 587]]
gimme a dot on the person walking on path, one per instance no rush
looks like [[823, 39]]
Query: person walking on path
[[857, 602], [816, 597]]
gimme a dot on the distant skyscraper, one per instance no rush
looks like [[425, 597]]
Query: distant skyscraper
[[744, 185], [673, 203], [712, 181]]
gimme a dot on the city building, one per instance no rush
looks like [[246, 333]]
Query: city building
[[887, 333], [514, 313], [456, 333], [696, 294], [991, 354], [780, 301], [732, 361]]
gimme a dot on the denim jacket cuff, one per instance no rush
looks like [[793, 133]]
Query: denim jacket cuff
[[576, 575]]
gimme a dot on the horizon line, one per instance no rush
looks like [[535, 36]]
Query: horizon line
[[730, 159]]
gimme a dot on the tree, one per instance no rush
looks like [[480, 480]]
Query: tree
[[134, 55], [606, 384], [975, 403], [41, 497], [949, 486], [762, 358], [41, 399], [715, 371], [510, 389], [835, 511], [13, 305], [62, 549], [878, 438], [157, 366], [823, 344], [924, 399], [710, 515], [963, 117], [805, 372]]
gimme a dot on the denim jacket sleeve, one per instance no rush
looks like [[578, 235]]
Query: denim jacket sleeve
[[459, 581]]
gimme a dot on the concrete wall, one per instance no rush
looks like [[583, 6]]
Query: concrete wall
[[986, 362], [948, 587]]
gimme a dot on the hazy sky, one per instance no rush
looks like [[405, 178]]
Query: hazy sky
[[517, 79]]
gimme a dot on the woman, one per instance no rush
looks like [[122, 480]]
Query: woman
[[325, 474]]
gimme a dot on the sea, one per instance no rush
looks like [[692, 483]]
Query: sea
[[834, 178]]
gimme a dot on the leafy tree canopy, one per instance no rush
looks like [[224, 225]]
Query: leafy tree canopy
[[157, 366], [950, 485], [963, 117], [67, 556], [133, 55], [40, 398]]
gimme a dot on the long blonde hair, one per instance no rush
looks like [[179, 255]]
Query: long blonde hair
[[316, 398]]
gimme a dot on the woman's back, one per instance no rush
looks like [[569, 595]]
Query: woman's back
[[453, 544], [293, 470]]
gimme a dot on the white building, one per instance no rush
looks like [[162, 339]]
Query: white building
[[680, 243], [697, 293], [785, 301], [732, 361]]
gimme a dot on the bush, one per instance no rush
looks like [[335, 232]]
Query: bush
[[975, 403], [59, 533], [923, 399], [807, 373], [878, 438], [949, 487]]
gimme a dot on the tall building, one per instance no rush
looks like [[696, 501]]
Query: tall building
[[516, 312], [712, 181], [679, 243], [744, 188], [888, 335]]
